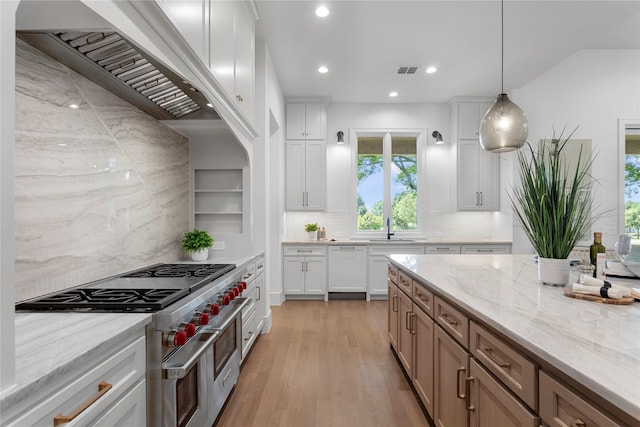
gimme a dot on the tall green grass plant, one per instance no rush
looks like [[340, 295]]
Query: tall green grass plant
[[553, 203]]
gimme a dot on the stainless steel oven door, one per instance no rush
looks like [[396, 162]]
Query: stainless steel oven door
[[226, 363], [186, 378]]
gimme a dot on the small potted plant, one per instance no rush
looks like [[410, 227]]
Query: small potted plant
[[197, 244], [312, 230]]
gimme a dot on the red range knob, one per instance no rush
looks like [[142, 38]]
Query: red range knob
[[214, 309], [190, 329], [226, 300], [244, 285], [239, 288], [232, 295], [236, 292], [180, 338], [204, 319]]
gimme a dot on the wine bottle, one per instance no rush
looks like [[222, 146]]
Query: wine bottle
[[597, 248]]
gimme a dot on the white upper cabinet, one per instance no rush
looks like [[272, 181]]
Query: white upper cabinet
[[478, 170], [191, 18], [306, 121], [470, 115], [222, 34], [232, 55]]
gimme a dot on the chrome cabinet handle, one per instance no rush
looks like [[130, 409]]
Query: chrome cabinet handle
[[467, 390], [103, 388], [481, 201], [445, 316], [458, 372], [489, 352]]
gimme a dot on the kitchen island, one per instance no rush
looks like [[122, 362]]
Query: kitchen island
[[592, 348]]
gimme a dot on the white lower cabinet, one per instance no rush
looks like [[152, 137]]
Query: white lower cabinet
[[305, 270], [378, 264], [348, 269], [111, 393]]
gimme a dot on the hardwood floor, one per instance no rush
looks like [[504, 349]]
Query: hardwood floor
[[323, 364]]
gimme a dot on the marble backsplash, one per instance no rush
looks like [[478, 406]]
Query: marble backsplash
[[99, 189]]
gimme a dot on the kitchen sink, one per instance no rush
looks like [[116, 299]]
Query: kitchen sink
[[391, 240]]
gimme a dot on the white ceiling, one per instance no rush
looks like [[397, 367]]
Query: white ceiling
[[363, 42]]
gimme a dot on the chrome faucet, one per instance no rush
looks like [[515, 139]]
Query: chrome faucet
[[389, 233]]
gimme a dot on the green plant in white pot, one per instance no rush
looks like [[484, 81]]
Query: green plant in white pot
[[312, 231], [197, 244], [553, 204]]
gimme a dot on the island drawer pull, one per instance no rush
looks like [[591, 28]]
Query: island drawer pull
[[451, 322], [578, 423], [103, 388], [488, 350]]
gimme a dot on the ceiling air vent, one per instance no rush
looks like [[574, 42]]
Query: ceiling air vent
[[407, 69]]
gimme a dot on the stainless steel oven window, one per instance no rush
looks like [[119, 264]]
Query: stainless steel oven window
[[187, 397], [224, 347]]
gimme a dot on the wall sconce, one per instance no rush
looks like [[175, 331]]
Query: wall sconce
[[438, 136], [340, 136]]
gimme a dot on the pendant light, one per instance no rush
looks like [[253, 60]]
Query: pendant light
[[504, 126]]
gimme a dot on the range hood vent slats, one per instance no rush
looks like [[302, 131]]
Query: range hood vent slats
[[108, 59]]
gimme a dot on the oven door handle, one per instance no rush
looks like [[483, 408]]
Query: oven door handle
[[236, 310], [178, 365]]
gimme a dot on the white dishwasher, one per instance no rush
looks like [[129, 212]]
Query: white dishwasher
[[348, 268]]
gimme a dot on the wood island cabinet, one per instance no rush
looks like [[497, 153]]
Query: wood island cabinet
[[469, 375]]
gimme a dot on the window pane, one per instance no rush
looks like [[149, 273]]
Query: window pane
[[632, 191], [370, 183], [404, 183]]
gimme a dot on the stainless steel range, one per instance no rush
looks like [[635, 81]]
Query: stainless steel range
[[194, 341]]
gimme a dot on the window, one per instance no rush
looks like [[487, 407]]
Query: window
[[387, 181], [632, 189]]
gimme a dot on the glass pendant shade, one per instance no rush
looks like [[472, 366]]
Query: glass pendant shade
[[504, 126]]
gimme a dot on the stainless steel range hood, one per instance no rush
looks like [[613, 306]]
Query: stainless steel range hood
[[118, 65]]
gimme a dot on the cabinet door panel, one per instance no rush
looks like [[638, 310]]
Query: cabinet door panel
[[493, 405], [244, 61], [191, 18], [295, 121], [488, 180], [378, 267], [468, 123], [293, 272], [450, 367], [131, 410], [405, 339], [315, 279], [423, 358], [315, 121], [295, 175], [393, 314], [468, 197], [222, 55], [315, 176]]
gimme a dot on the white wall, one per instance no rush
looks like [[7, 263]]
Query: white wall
[[591, 89], [268, 171]]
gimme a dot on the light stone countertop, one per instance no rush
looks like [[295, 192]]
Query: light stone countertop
[[598, 345], [396, 241], [50, 346]]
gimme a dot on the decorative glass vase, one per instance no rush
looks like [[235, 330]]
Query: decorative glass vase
[[200, 255], [553, 271]]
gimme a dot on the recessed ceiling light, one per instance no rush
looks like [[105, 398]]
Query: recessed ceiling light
[[322, 12], [323, 69], [74, 106], [393, 94], [210, 105], [431, 70]]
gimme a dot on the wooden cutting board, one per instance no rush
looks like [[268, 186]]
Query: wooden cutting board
[[595, 298]]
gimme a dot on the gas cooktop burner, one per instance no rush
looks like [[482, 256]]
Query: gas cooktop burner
[[106, 299], [183, 270]]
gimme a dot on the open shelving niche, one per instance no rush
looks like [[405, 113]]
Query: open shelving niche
[[219, 200]]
